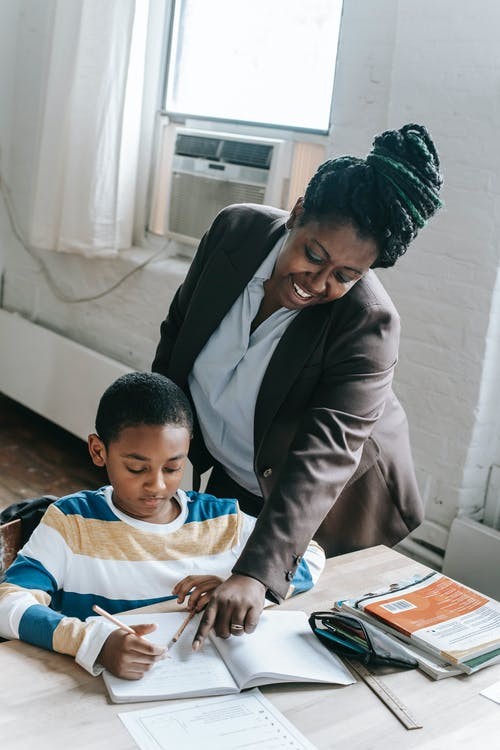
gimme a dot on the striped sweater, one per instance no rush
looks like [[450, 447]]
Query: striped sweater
[[86, 551]]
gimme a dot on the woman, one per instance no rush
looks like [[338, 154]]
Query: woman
[[286, 342]]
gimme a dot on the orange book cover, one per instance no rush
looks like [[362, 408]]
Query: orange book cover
[[440, 616], [435, 602]]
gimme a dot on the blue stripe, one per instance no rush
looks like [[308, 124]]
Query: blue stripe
[[302, 580], [71, 604], [88, 504], [204, 507], [30, 574], [37, 626]]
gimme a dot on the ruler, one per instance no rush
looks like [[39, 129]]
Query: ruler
[[385, 695]]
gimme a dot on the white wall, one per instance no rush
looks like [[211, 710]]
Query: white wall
[[436, 62], [453, 72], [8, 32]]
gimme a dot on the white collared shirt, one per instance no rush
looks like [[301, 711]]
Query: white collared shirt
[[226, 376]]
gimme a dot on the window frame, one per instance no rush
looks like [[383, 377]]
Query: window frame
[[254, 126]]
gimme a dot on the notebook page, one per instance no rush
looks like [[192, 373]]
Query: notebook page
[[282, 648], [185, 673]]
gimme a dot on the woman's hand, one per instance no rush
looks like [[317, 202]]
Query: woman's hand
[[130, 656], [234, 608], [200, 587]]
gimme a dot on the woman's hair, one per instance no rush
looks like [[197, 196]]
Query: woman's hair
[[387, 197], [139, 398]]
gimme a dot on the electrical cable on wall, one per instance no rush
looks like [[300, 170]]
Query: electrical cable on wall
[[32, 252]]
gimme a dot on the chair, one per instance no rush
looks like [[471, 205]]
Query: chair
[[17, 522], [10, 543]]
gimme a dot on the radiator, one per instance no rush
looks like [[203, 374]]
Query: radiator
[[53, 375], [473, 556]]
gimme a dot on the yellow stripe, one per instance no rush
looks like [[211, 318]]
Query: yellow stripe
[[68, 636], [108, 540], [6, 589]]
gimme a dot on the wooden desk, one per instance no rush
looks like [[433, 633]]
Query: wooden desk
[[47, 701]]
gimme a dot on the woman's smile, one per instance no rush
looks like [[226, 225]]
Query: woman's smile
[[301, 293], [318, 263]]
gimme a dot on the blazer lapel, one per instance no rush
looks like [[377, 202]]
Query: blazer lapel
[[225, 276], [294, 349]]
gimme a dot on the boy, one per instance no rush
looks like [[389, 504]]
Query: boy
[[139, 541]]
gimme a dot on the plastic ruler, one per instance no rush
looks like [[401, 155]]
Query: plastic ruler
[[381, 690]]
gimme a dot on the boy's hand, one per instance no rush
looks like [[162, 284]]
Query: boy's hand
[[130, 656], [200, 587], [236, 602]]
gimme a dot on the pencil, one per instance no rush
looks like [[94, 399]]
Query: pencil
[[98, 610], [177, 635]]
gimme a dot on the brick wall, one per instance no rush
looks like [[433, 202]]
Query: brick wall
[[439, 63]]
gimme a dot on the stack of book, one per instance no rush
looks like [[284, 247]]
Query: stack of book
[[449, 628]]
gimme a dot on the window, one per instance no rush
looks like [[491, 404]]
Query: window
[[266, 62]]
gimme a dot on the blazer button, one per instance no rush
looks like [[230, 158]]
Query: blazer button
[[298, 559], [267, 473], [289, 575]]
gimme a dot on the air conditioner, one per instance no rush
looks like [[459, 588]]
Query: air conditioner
[[202, 171]]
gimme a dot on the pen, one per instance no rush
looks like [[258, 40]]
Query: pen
[[98, 610], [178, 634]]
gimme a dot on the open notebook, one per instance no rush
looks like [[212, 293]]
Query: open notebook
[[282, 649]]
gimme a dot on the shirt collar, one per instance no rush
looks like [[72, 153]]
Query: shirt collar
[[265, 269]]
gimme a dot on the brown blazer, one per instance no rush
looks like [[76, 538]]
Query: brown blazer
[[330, 437]]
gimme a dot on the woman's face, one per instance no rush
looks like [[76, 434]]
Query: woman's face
[[318, 263]]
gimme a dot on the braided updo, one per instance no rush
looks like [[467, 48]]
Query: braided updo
[[388, 196]]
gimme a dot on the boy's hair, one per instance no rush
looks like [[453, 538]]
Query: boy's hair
[[387, 197], [141, 398]]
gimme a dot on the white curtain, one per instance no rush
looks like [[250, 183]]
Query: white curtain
[[85, 157]]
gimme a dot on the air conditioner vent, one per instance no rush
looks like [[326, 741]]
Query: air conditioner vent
[[198, 146], [202, 171], [247, 154]]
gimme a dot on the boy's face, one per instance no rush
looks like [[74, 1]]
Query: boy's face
[[145, 465]]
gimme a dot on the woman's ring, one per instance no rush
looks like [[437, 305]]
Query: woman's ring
[[237, 627]]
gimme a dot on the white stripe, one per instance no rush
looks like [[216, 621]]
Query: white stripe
[[48, 547], [149, 579], [246, 528], [12, 608], [96, 632], [315, 559]]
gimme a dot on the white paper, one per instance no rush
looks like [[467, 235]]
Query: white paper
[[492, 692], [246, 720], [183, 672], [287, 648], [282, 649]]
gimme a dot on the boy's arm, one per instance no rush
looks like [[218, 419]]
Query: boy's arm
[[27, 591], [309, 569]]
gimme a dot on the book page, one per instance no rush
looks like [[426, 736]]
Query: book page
[[428, 662], [236, 722], [282, 649], [465, 636], [185, 673]]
